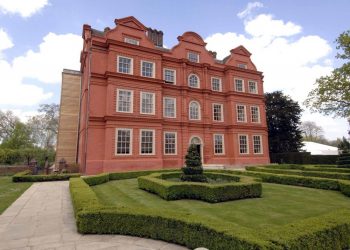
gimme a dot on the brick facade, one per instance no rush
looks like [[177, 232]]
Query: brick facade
[[107, 84]]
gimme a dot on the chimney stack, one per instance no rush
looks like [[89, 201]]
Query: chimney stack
[[156, 36]]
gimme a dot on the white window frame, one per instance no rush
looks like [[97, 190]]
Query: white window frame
[[116, 141], [198, 83], [167, 82], [235, 85], [222, 112], [245, 112], [131, 104], [153, 68], [164, 114], [220, 84], [189, 111], [154, 102], [194, 53], [131, 40], [242, 65], [153, 141], [261, 145], [256, 87], [251, 114], [239, 144], [170, 132], [131, 65], [223, 144]]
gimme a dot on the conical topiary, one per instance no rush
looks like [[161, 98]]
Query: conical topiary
[[193, 171], [344, 160]]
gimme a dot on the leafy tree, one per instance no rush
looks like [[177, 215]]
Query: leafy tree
[[7, 124], [283, 121], [19, 138], [311, 131], [344, 145], [193, 171], [331, 94]]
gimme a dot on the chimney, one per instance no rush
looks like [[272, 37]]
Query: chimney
[[156, 36]]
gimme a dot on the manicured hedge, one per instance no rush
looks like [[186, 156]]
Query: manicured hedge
[[25, 177], [97, 179], [170, 190], [317, 168], [303, 158]]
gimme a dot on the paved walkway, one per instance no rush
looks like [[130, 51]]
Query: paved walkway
[[42, 218]]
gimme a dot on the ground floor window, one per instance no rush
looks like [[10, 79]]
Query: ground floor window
[[243, 144], [123, 141], [146, 142], [170, 143], [218, 144], [257, 144]]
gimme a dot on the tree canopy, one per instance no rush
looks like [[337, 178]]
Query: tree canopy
[[283, 121], [331, 95]]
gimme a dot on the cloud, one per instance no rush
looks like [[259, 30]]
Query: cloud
[[6, 41], [24, 8], [43, 66], [290, 62], [249, 8]]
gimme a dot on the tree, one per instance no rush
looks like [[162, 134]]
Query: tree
[[283, 121], [312, 132], [331, 94], [344, 145], [44, 126], [193, 171], [19, 138], [7, 124]]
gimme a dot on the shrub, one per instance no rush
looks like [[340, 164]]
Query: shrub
[[169, 190], [193, 171], [303, 158], [25, 177], [97, 179], [344, 160]]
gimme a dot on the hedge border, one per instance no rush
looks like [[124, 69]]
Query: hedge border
[[328, 231], [26, 177], [239, 188]]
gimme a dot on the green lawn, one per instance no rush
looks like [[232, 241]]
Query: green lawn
[[280, 204], [10, 191]]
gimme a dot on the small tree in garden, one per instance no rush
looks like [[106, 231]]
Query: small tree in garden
[[193, 171], [344, 160]]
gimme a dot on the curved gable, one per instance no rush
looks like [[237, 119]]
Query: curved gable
[[191, 37], [240, 56]]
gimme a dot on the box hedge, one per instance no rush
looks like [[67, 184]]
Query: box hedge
[[26, 177]]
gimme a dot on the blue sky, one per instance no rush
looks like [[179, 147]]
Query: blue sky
[[292, 41]]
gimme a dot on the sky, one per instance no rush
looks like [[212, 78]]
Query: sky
[[292, 42]]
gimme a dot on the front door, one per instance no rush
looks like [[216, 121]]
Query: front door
[[198, 147]]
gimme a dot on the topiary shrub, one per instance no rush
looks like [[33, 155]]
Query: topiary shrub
[[344, 160], [193, 171]]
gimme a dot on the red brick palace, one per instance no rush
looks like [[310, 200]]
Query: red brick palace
[[142, 104]]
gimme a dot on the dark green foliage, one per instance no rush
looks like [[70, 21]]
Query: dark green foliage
[[97, 179], [315, 168], [344, 160], [344, 145], [345, 187], [193, 171], [25, 177], [302, 158], [169, 190], [25, 155], [194, 178], [283, 121], [193, 159]]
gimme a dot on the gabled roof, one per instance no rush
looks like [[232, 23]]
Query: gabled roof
[[241, 51], [130, 22]]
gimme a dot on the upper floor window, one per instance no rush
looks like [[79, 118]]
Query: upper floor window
[[218, 144], [169, 107], [146, 142], [147, 103], [218, 112], [125, 65], [147, 69], [255, 114], [243, 144], [169, 76], [216, 84], [193, 81], [242, 65], [193, 57], [124, 100], [252, 86], [241, 113], [194, 111], [123, 141], [170, 143], [131, 41], [257, 145], [239, 85]]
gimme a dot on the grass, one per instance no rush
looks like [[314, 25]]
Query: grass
[[10, 191], [279, 205]]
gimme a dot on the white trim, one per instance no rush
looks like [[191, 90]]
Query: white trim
[[174, 70], [116, 141], [188, 81], [199, 111], [239, 144], [220, 82], [154, 102], [234, 84], [131, 65], [261, 145], [256, 87], [153, 69], [242, 65], [192, 52], [132, 101], [170, 132], [168, 97], [222, 112], [130, 39], [153, 140], [245, 112], [223, 144], [251, 114]]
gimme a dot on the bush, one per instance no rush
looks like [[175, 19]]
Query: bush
[[315, 168], [169, 190], [25, 177], [302, 158], [193, 171], [344, 161], [97, 179]]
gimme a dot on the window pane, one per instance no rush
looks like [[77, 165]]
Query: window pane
[[252, 87], [170, 143], [255, 114], [169, 76], [239, 85], [217, 112], [146, 142], [218, 144], [193, 57], [123, 141], [147, 69], [193, 81], [169, 107], [147, 100], [257, 144], [194, 111], [124, 65], [241, 113], [243, 144], [216, 84], [124, 100]]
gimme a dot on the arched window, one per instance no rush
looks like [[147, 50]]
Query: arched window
[[193, 81], [195, 111]]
